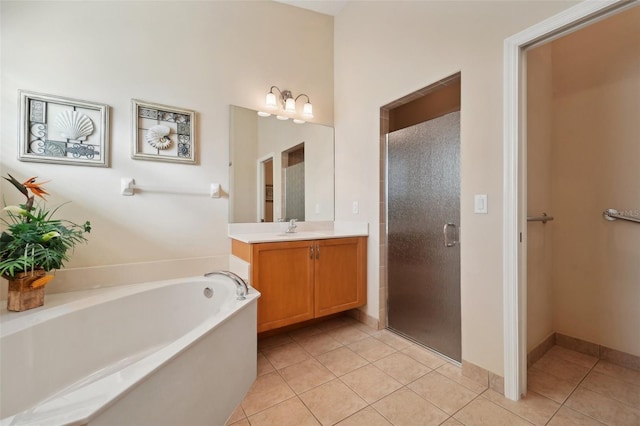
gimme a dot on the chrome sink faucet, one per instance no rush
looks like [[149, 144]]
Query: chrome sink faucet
[[292, 226]]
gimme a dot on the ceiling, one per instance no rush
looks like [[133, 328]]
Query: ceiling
[[328, 7]]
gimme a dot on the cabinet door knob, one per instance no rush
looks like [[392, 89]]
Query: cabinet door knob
[[311, 252], [318, 251]]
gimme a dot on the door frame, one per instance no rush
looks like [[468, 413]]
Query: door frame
[[514, 257], [260, 195]]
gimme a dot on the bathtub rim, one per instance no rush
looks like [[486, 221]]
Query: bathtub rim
[[59, 304], [90, 399]]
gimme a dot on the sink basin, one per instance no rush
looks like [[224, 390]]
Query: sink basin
[[299, 235]]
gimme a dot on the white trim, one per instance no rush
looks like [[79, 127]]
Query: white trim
[[260, 196], [514, 174]]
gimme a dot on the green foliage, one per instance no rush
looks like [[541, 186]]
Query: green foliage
[[34, 240]]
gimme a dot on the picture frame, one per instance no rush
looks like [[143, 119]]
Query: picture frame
[[268, 193], [60, 130], [163, 133]]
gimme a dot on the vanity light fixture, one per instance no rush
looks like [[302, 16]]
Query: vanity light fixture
[[283, 105]]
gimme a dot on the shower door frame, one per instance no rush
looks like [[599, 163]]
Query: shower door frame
[[515, 176], [457, 265]]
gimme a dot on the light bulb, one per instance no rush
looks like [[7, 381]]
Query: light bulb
[[281, 117], [307, 110], [271, 101], [290, 105], [298, 121], [263, 114]]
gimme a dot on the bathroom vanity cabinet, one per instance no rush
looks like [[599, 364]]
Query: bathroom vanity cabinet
[[301, 280]]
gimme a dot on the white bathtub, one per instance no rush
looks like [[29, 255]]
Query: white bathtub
[[158, 353]]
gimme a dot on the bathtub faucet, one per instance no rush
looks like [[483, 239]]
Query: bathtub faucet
[[242, 290]]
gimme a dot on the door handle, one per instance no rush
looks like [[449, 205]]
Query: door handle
[[311, 252], [318, 251], [449, 242]]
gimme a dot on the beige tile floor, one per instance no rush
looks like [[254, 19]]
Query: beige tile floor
[[341, 372]]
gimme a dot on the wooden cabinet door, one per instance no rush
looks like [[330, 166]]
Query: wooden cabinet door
[[340, 279], [283, 274]]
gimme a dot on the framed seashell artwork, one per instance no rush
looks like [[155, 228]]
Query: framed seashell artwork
[[55, 129], [162, 133]]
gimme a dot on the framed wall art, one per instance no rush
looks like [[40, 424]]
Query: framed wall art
[[61, 130], [268, 193], [163, 133]]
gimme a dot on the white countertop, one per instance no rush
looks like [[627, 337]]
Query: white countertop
[[276, 232]]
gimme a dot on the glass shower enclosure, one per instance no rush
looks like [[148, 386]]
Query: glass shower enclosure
[[423, 217]]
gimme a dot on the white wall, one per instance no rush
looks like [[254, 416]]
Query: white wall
[[539, 235], [595, 166], [197, 55], [584, 157], [386, 50]]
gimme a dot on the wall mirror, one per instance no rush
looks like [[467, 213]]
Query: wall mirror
[[279, 169]]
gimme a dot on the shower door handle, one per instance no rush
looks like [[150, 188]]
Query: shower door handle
[[448, 241]]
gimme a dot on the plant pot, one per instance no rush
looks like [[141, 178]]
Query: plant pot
[[22, 295]]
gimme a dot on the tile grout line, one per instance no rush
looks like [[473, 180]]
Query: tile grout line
[[369, 405], [342, 345], [368, 363], [572, 391], [557, 409], [277, 371], [505, 408], [406, 386], [482, 394], [297, 395], [293, 390], [610, 377], [576, 388], [464, 406], [431, 370]]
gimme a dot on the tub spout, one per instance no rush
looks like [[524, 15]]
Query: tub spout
[[242, 290]]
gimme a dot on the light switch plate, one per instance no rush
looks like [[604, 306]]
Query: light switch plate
[[214, 191], [480, 204]]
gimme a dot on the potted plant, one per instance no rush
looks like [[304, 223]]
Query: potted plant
[[33, 244]]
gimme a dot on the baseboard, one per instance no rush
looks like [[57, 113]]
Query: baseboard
[[484, 377], [578, 345], [620, 358], [613, 356], [604, 353], [538, 352], [362, 317]]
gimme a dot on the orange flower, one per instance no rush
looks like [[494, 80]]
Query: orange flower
[[35, 187], [42, 281]]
